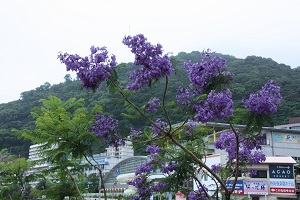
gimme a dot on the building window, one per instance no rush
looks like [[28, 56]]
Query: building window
[[297, 159], [205, 177], [260, 174], [239, 174]]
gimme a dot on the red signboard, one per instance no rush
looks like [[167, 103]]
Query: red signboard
[[283, 190], [238, 192]]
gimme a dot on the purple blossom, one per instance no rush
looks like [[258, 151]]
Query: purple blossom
[[144, 168], [266, 101], [153, 150], [137, 182], [185, 96], [106, 128], [216, 167], [217, 106], [153, 105], [159, 186], [189, 127], [92, 70], [252, 173], [249, 148], [140, 182], [161, 124], [135, 132], [171, 166], [149, 57], [201, 74], [199, 194], [257, 157]]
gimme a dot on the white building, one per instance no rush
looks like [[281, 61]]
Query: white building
[[121, 152], [35, 156], [106, 161]]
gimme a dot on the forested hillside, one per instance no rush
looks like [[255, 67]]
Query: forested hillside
[[250, 73]]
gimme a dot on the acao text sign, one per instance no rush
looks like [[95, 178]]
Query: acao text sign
[[281, 171]]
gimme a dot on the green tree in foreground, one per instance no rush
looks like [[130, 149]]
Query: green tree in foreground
[[62, 129], [13, 177], [58, 185]]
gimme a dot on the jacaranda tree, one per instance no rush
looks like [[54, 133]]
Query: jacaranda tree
[[178, 149]]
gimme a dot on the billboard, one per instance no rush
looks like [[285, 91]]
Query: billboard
[[281, 171], [256, 187], [239, 186], [282, 179], [286, 138], [282, 186]]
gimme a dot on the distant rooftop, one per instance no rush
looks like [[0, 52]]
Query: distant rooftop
[[294, 120]]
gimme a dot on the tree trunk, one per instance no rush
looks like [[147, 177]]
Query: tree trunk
[[75, 184], [227, 197], [102, 184]]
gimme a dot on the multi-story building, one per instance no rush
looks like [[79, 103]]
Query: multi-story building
[[282, 149], [39, 164], [35, 156], [106, 161], [121, 152]]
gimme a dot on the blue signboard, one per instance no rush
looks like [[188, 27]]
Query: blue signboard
[[238, 186], [281, 171]]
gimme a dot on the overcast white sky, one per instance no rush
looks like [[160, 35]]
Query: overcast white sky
[[34, 31]]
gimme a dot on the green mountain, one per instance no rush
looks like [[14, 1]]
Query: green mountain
[[250, 73]]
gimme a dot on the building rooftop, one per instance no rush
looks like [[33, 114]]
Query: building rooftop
[[282, 160], [274, 129]]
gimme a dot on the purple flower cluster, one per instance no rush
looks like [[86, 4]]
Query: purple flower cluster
[[185, 96], [153, 150], [92, 70], [159, 186], [153, 105], [135, 132], [140, 180], [216, 167], [252, 173], [171, 166], [144, 168], [266, 101], [190, 126], [154, 65], [106, 128], [161, 124], [249, 148], [202, 74], [216, 106], [199, 194]]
